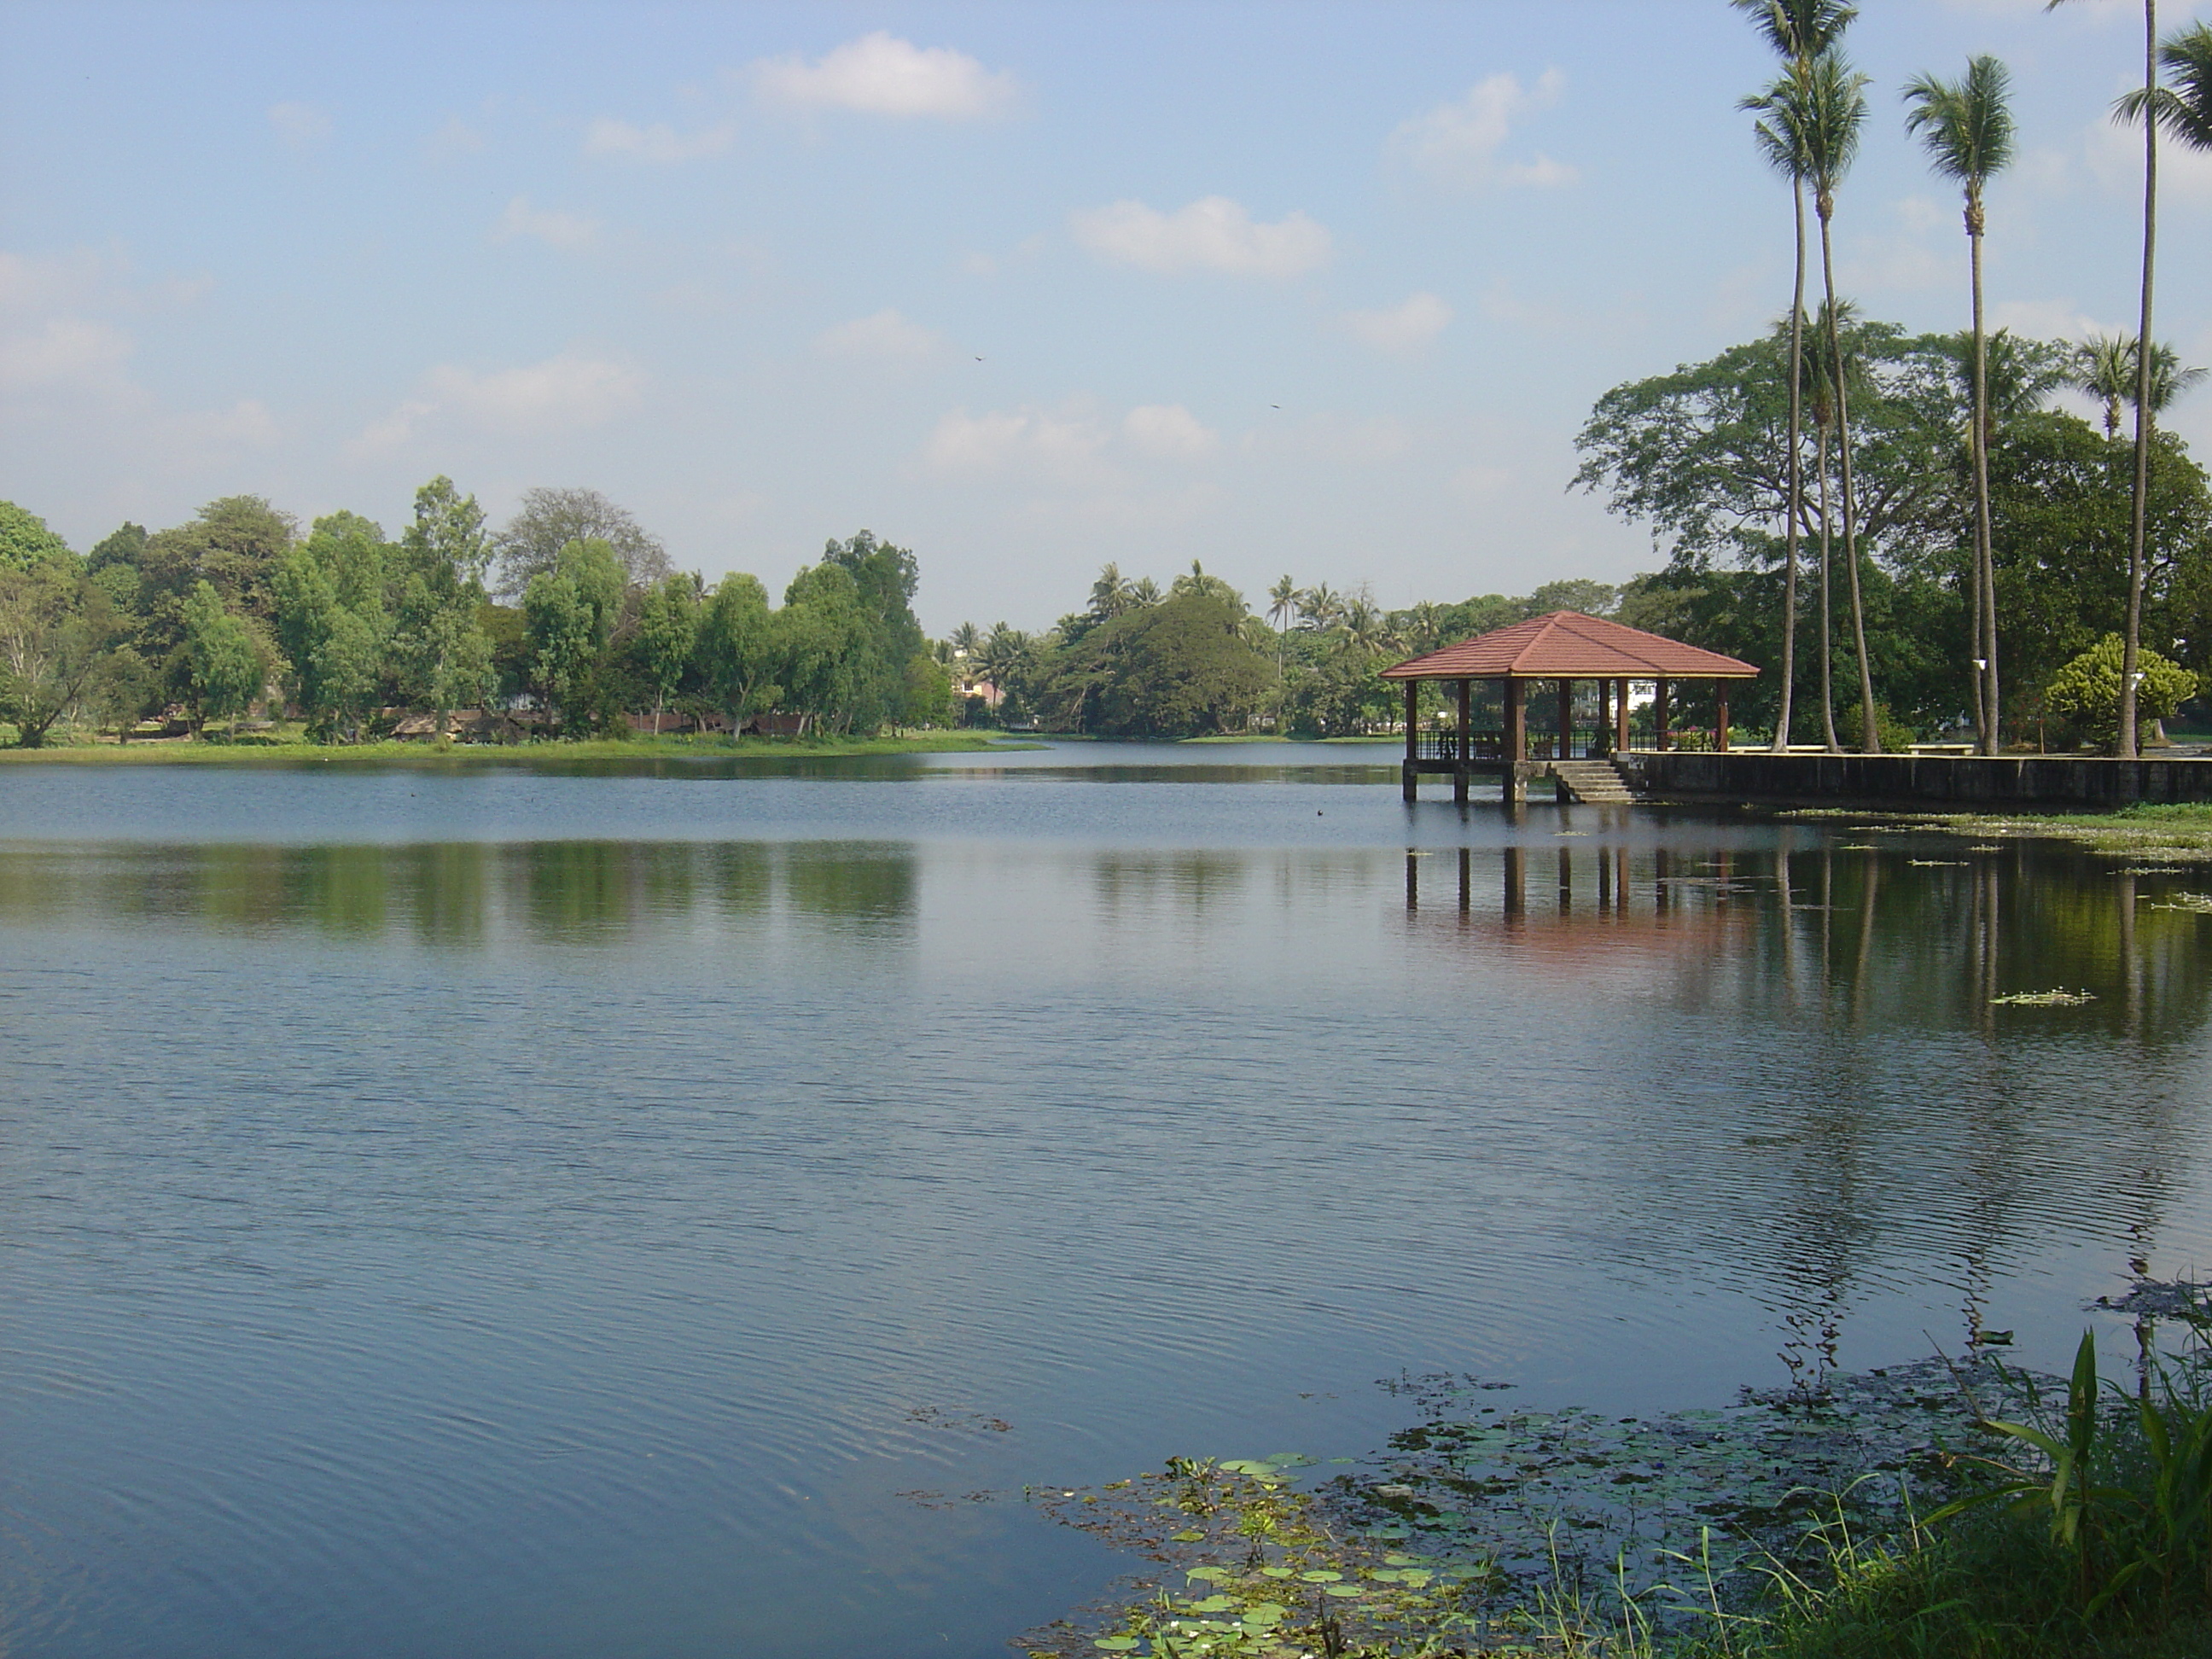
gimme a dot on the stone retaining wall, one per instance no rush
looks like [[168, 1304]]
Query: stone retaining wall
[[1964, 782]]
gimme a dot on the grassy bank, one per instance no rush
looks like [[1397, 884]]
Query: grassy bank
[[261, 751]]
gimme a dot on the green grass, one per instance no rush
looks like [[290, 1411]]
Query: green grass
[[260, 750]]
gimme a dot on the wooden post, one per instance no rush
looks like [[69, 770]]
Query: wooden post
[[1409, 786], [1621, 721], [1601, 727], [1565, 749], [1659, 708], [1460, 774], [1515, 748], [1720, 730]]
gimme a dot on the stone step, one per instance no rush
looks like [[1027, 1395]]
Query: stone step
[[1595, 782]]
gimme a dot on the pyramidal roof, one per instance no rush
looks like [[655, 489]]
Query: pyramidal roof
[[1567, 644]]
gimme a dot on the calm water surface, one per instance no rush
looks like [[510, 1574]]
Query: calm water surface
[[674, 1211]]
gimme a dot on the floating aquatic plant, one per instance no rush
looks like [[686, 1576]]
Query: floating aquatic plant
[[2043, 999]]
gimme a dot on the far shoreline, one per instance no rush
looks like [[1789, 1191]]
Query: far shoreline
[[171, 751]]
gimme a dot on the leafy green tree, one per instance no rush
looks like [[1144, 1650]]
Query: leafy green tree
[[234, 545], [824, 637], [1180, 668], [884, 579], [228, 670], [736, 649], [1966, 126], [2088, 690], [447, 542], [58, 630], [439, 652], [2060, 498], [24, 540], [331, 624], [667, 634], [439, 649], [569, 614]]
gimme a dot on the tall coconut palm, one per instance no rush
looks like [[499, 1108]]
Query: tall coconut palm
[[1822, 371], [1800, 31], [1967, 127], [2146, 99], [1282, 605], [1828, 113]]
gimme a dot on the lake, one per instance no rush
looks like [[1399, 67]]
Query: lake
[[676, 1209]]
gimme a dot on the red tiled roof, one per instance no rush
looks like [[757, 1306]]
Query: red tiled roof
[[1566, 645]]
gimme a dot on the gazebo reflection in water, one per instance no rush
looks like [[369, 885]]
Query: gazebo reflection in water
[[1592, 665]]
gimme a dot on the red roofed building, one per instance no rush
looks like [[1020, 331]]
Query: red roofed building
[[1565, 647]]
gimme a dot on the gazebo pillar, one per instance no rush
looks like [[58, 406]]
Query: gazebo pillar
[[1515, 748], [1602, 726], [1563, 750], [1409, 786], [1720, 730], [1466, 743], [1621, 720], [1659, 708]]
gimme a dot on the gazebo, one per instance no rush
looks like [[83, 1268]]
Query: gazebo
[[1565, 647]]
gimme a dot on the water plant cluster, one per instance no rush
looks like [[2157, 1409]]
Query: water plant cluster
[[1947, 1506]]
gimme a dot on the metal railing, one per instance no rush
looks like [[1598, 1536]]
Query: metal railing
[[1583, 742]]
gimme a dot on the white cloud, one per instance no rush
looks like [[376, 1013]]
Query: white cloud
[[2048, 319], [880, 74], [1212, 233], [548, 226], [885, 334], [1060, 448], [246, 422], [300, 125], [76, 354], [455, 138], [1334, 440], [1459, 143], [1169, 432], [565, 394], [1479, 482], [658, 143], [1401, 328]]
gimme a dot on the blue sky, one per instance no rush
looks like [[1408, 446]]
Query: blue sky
[[1322, 289]]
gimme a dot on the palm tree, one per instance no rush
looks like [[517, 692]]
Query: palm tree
[[2136, 106], [1830, 111], [966, 640], [1007, 658], [1822, 372], [1110, 594], [1800, 31], [1320, 607], [2105, 370], [1282, 603], [1967, 128]]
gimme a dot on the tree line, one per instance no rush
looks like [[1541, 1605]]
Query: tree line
[[1195, 659], [1809, 124], [569, 614]]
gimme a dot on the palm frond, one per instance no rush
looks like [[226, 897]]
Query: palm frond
[[1967, 125], [1798, 29]]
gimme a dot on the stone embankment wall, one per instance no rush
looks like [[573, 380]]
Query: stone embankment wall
[[1962, 782]]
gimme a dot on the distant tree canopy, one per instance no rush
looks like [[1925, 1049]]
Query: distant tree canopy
[[349, 629]]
